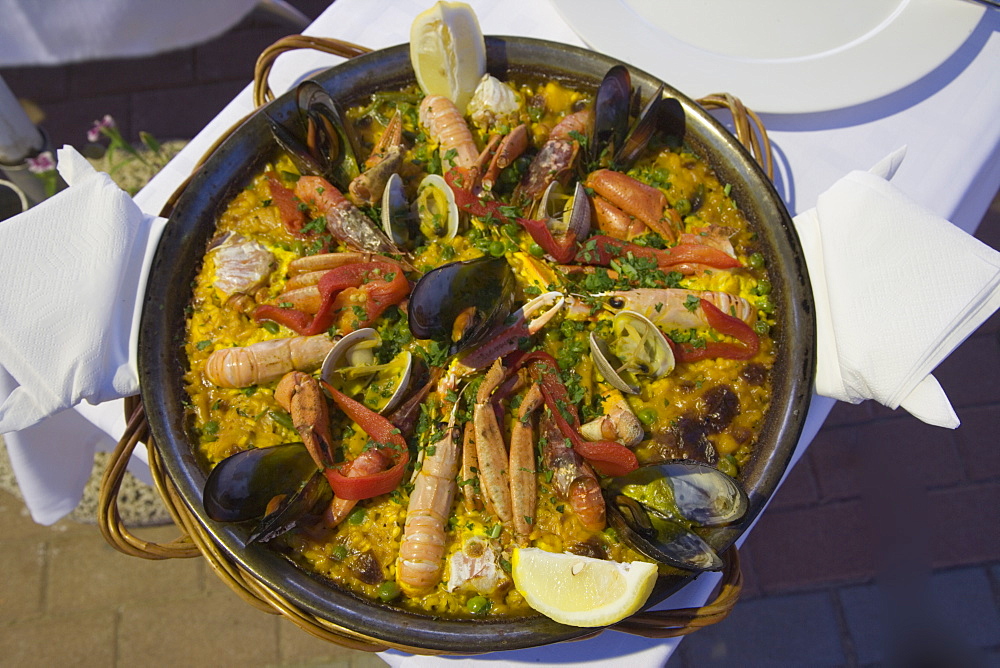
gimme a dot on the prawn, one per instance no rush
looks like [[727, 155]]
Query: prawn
[[493, 474], [445, 123], [266, 361], [421, 550], [523, 479], [556, 157]]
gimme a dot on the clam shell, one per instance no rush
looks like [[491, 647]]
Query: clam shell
[[435, 208], [350, 366]]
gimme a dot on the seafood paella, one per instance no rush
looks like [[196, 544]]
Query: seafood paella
[[423, 337]]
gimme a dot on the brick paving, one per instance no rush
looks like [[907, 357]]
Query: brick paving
[[882, 543]]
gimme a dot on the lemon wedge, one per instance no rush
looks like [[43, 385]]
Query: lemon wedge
[[581, 591], [448, 52]]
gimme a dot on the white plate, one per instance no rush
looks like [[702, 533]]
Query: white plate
[[782, 56]]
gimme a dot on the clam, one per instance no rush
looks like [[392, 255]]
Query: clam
[[460, 303], [435, 208], [612, 138], [655, 509], [564, 213], [319, 140], [351, 367], [398, 218], [637, 348], [276, 485]]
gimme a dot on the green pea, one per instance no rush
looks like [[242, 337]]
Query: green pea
[[536, 250], [765, 304], [388, 590], [357, 516], [647, 416], [756, 260], [683, 207], [761, 327], [339, 552], [478, 604], [497, 248], [764, 287], [511, 229], [728, 466]]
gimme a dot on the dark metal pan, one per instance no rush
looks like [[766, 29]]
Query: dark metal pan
[[180, 252]]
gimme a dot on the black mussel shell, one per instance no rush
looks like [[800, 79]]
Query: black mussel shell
[[662, 116], [700, 493], [660, 538], [480, 291], [292, 509], [653, 507], [666, 541], [240, 487], [612, 106], [319, 141]]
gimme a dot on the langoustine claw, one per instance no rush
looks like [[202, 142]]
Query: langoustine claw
[[299, 394], [385, 160], [557, 156], [572, 478], [344, 221]]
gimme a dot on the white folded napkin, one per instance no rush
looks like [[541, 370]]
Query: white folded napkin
[[73, 269], [897, 289]]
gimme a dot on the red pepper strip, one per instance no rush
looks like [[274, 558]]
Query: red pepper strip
[[561, 249], [391, 443], [288, 205], [724, 324], [608, 458], [601, 250], [366, 276]]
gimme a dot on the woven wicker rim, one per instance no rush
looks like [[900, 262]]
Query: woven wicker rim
[[196, 541]]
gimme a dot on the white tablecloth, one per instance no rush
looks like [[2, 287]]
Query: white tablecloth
[[67, 31], [950, 121]]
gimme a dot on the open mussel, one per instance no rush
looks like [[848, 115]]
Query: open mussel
[[460, 303], [612, 139], [276, 485], [637, 349], [656, 508], [351, 367], [319, 140]]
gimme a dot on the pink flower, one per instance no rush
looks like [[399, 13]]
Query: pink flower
[[94, 133], [43, 162]]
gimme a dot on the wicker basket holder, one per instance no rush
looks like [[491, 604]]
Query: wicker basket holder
[[195, 540]]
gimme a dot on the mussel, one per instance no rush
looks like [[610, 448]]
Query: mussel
[[276, 485], [351, 367], [460, 303], [655, 509], [319, 141], [398, 217], [637, 348], [612, 139]]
